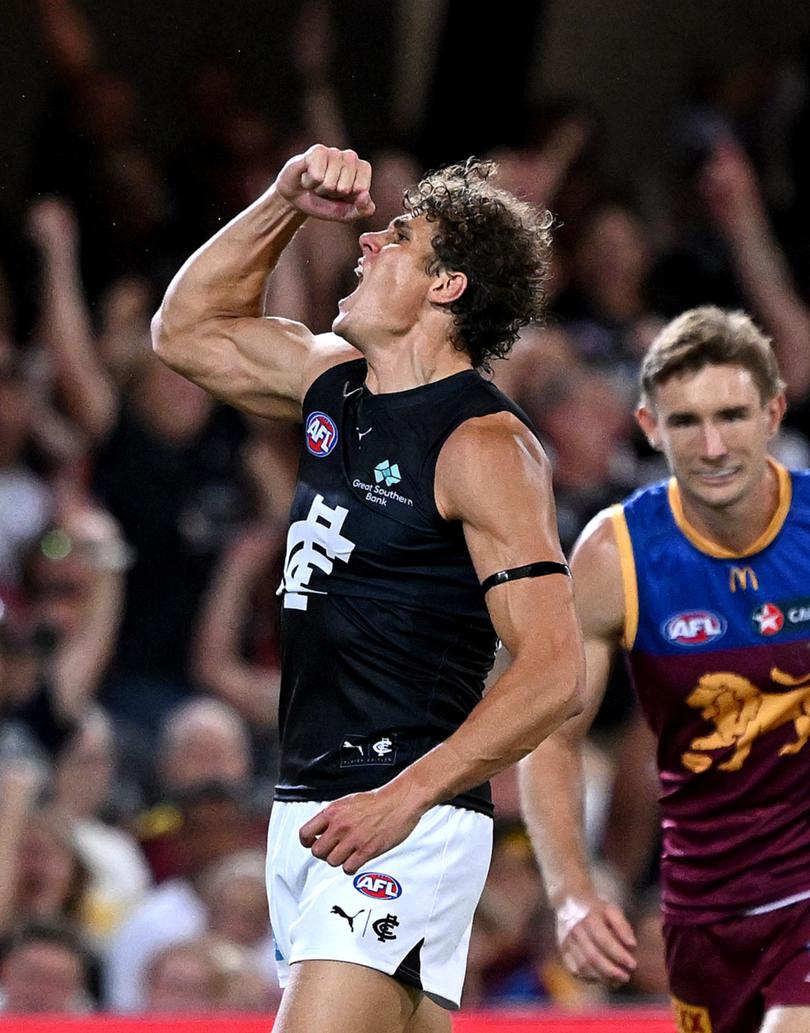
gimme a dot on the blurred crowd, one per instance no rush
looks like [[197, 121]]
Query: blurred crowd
[[142, 524]]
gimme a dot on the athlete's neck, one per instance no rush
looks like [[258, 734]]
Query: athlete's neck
[[405, 364], [737, 526]]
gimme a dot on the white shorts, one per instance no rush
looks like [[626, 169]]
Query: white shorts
[[407, 913]]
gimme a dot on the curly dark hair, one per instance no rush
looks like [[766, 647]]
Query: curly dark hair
[[501, 244]]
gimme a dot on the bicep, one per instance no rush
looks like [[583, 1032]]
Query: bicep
[[498, 483], [262, 365], [599, 597], [256, 364]]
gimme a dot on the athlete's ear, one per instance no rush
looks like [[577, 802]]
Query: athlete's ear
[[647, 420], [775, 409], [447, 287]]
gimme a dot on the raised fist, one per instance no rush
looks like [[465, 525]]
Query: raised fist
[[327, 183]]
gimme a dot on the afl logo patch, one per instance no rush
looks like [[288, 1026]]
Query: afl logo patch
[[693, 628], [768, 619], [320, 434], [377, 886]]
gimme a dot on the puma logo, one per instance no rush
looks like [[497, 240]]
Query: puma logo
[[740, 712], [349, 918]]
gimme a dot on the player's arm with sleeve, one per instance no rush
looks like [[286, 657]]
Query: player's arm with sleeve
[[595, 939], [494, 478], [210, 326]]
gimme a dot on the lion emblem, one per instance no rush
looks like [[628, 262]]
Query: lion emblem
[[741, 712]]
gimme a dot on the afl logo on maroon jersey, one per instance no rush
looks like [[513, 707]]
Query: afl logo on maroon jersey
[[768, 619], [320, 434], [377, 885], [694, 628]]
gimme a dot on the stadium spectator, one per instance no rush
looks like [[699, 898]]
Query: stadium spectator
[[215, 824], [202, 743], [166, 436], [45, 969], [83, 789]]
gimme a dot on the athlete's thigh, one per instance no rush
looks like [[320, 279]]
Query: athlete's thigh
[[339, 997], [429, 1017], [786, 1020]]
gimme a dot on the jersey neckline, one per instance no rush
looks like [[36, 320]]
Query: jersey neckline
[[416, 394], [711, 548]]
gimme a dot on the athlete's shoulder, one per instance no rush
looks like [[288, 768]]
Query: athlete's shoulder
[[328, 351], [491, 437], [490, 460], [800, 488], [492, 400], [598, 541], [648, 495]]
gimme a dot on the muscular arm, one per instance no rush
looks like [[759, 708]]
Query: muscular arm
[[210, 327], [493, 477], [594, 935]]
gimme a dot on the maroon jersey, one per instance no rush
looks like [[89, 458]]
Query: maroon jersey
[[719, 649]]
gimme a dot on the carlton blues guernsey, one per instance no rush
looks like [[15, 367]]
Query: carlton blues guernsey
[[719, 649], [386, 639]]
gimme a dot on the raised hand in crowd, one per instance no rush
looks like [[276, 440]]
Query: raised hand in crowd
[[732, 192]]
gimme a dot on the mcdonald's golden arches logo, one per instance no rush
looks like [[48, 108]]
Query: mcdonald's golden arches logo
[[742, 578]]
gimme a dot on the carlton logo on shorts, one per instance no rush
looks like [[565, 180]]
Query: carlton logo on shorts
[[693, 628], [320, 434], [377, 885]]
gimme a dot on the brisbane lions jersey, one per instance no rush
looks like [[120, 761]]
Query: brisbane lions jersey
[[719, 649], [386, 639]]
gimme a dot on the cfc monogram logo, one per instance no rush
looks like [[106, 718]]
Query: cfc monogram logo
[[691, 1018], [741, 712], [384, 928], [313, 544]]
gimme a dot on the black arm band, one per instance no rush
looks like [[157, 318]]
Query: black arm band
[[530, 570]]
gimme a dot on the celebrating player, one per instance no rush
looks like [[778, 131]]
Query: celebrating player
[[423, 528]]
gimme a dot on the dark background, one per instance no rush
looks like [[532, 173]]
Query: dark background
[[475, 65]]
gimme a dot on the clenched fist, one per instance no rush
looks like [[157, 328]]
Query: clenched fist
[[327, 183]]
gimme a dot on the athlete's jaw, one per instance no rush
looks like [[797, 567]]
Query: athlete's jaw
[[717, 486]]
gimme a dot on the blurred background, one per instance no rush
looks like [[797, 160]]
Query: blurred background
[[142, 526]]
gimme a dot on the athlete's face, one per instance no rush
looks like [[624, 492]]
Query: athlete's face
[[714, 430], [394, 282]]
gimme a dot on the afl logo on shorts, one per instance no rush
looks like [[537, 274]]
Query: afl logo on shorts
[[320, 434], [768, 619], [377, 885], [694, 628]]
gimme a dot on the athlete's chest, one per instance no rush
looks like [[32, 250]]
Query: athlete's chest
[[375, 467], [693, 603], [720, 639]]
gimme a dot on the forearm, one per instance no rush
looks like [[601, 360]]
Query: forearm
[[225, 278], [82, 659], [765, 279], [14, 809], [87, 390], [552, 800], [519, 711]]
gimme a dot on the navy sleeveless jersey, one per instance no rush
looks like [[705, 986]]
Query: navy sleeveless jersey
[[719, 648], [386, 639]]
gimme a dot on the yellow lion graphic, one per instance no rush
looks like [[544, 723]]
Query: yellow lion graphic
[[741, 712]]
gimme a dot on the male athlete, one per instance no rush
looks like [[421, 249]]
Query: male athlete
[[422, 529], [705, 581]]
